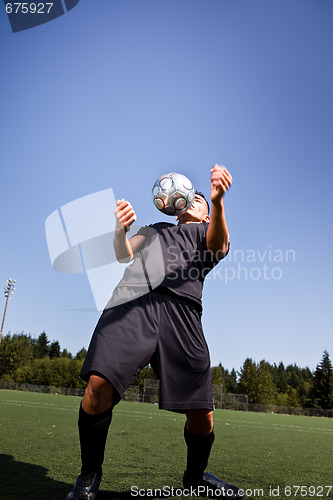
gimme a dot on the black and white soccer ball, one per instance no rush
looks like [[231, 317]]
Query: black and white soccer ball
[[173, 193]]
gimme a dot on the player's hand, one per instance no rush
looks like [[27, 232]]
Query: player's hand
[[125, 215], [220, 182]]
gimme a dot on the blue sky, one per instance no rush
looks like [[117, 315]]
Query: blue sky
[[114, 94]]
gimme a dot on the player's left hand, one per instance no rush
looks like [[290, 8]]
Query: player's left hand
[[220, 182]]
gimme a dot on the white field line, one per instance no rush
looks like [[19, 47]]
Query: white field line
[[244, 423], [29, 402], [141, 414], [32, 404], [236, 423]]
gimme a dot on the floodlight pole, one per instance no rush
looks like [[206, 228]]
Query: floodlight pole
[[9, 290]]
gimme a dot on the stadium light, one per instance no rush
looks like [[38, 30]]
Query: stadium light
[[9, 290]]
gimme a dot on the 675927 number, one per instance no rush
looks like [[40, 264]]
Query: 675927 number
[[28, 8]]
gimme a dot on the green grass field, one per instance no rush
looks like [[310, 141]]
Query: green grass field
[[267, 455]]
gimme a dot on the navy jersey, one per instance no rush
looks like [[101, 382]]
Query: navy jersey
[[185, 257], [174, 258]]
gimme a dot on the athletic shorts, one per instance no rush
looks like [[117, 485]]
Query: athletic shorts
[[161, 330]]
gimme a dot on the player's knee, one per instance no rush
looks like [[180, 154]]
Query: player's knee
[[99, 392], [200, 422]]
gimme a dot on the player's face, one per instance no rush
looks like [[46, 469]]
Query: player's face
[[198, 211]]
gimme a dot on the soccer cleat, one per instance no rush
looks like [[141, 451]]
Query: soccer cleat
[[229, 490], [213, 487], [86, 487]]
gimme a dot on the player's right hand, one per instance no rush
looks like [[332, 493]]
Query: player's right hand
[[125, 215]]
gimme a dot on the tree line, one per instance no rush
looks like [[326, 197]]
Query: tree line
[[281, 385], [28, 360], [24, 359]]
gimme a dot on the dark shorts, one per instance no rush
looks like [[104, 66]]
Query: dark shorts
[[160, 330]]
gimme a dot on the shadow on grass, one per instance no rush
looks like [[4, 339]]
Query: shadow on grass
[[20, 480], [23, 481]]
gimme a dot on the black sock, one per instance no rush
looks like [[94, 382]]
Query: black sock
[[198, 451], [93, 430]]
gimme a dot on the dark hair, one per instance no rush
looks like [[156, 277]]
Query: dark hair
[[203, 196]]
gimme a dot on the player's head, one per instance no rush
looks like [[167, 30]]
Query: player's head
[[198, 193], [198, 211]]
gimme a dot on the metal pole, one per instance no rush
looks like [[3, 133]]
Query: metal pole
[[9, 290]]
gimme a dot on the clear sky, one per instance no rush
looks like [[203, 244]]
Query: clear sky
[[115, 93]]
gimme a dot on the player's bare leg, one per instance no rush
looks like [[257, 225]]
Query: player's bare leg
[[199, 437], [94, 420], [200, 421], [98, 395]]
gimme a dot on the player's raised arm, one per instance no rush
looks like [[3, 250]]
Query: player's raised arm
[[217, 234], [124, 248]]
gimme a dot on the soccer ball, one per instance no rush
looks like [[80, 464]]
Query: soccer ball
[[173, 194]]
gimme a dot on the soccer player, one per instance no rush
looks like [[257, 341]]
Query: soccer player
[[155, 317]]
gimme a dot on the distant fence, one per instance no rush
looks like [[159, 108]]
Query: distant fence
[[132, 393], [290, 410], [47, 389], [151, 390], [226, 401], [240, 402]]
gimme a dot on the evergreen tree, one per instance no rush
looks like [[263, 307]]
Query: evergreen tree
[[293, 375], [282, 381], [323, 383], [42, 346], [54, 350], [248, 382], [230, 380], [81, 355], [305, 388], [65, 354], [218, 376], [266, 389]]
